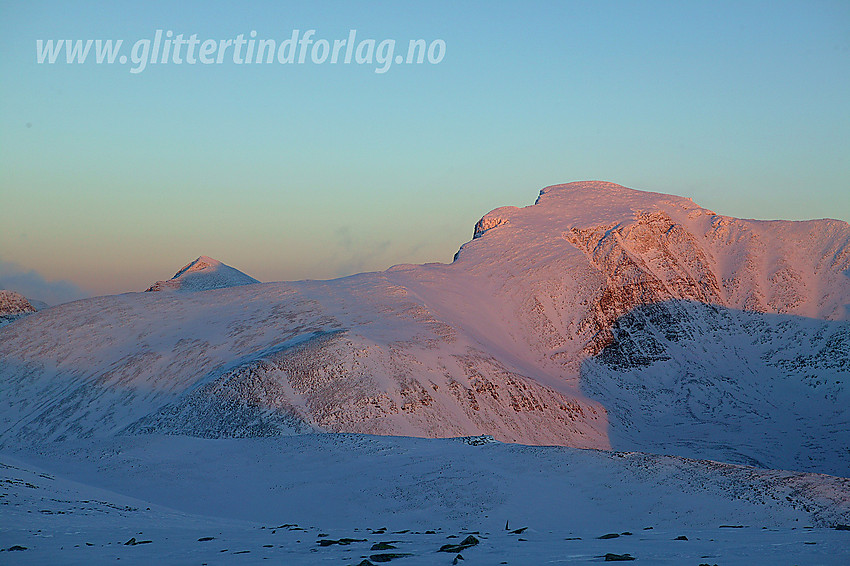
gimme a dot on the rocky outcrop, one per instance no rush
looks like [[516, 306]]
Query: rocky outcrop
[[13, 305]]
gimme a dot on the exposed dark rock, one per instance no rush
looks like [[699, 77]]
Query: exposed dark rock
[[341, 542], [457, 548], [386, 557]]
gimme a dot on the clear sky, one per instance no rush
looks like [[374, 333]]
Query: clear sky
[[110, 180]]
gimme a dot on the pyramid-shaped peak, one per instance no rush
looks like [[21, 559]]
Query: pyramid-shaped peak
[[203, 274]]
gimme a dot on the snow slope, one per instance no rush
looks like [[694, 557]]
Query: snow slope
[[260, 499], [203, 274], [598, 317], [704, 381], [269, 359]]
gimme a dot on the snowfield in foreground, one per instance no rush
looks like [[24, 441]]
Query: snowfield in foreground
[[279, 498]]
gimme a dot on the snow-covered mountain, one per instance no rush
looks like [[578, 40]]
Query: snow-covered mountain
[[598, 317], [203, 274], [702, 335]]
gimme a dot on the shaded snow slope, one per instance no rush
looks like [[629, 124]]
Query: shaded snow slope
[[598, 317], [262, 499], [203, 274], [705, 381]]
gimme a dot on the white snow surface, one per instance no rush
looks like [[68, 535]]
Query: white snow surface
[[275, 499]]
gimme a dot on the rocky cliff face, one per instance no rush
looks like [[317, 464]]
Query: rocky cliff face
[[598, 317]]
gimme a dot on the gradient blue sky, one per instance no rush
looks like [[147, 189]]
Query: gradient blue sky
[[112, 180]]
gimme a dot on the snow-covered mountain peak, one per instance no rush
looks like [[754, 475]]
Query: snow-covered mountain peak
[[589, 204], [585, 193], [203, 274], [601, 187], [651, 240]]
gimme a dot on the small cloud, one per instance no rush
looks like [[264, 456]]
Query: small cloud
[[32, 285], [355, 254]]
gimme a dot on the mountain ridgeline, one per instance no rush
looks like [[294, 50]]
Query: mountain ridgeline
[[599, 317]]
